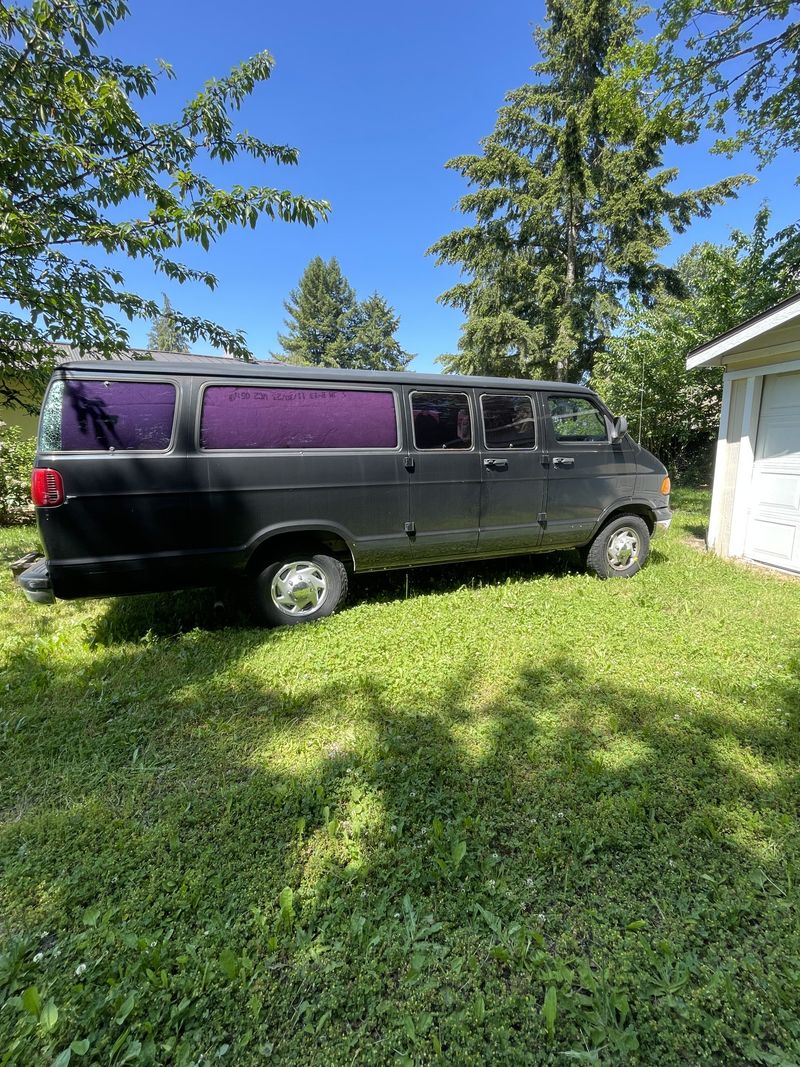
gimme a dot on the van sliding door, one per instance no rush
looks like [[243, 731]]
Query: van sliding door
[[444, 474], [513, 487]]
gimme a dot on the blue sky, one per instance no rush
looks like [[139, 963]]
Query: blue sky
[[377, 98]]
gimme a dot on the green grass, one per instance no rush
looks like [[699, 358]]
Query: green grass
[[517, 814]]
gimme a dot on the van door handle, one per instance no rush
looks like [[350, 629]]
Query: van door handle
[[496, 464], [563, 461]]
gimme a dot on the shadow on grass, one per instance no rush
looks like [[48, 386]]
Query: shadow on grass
[[169, 614], [448, 577], [131, 618], [698, 531], [181, 792], [18, 541]]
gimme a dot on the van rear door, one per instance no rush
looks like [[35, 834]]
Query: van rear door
[[115, 439]]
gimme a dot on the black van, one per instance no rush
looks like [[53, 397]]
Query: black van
[[164, 476]]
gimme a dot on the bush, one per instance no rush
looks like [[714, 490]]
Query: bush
[[16, 462]]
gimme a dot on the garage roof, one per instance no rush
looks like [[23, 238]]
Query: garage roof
[[720, 349]]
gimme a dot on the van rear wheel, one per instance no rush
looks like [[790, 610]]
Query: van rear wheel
[[621, 549], [300, 588]]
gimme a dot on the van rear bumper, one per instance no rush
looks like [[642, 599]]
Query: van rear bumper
[[663, 518], [32, 575]]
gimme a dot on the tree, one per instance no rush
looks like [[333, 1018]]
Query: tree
[[374, 345], [643, 372], [76, 157], [321, 312], [165, 335], [328, 327], [571, 205], [733, 68]]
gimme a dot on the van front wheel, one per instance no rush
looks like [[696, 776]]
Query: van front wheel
[[620, 549], [300, 588]]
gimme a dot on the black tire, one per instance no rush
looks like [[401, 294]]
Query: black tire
[[300, 587], [621, 549]]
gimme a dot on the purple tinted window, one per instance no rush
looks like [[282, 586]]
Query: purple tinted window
[[236, 417], [99, 416]]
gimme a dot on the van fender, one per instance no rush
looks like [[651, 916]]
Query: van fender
[[634, 506], [330, 536]]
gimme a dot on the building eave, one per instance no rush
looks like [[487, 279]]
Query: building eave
[[721, 350]]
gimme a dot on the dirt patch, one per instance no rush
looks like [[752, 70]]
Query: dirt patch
[[693, 541]]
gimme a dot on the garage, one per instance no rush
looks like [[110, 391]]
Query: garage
[[755, 507]]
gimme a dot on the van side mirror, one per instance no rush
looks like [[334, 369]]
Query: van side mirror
[[620, 428]]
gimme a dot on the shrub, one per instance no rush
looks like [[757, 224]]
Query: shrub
[[16, 461]]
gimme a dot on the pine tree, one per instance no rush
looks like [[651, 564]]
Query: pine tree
[[571, 205], [321, 317], [328, 327], [374, 345], [165, 335]]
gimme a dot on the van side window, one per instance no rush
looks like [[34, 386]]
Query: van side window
[[508, 421], [242, 416], [104, 416], [441, 420], [576, 419]]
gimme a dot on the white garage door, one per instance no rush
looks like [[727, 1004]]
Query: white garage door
[[773, 528]]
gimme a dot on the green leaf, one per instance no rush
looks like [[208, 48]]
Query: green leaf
[[418, 961], [492, 920], [479, 1008], [31, 1000], [63, 1058], [285, 899], [132, 1052], [229, 963], [80, 1048], [637, 924], [286, 902], [125, 1008], [48, 1016], [550, 1009], [458, 852]]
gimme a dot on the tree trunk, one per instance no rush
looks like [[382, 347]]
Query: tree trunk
[[567, 340]]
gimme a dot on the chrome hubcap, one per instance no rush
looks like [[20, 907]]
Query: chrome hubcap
[[623, 549], [299, 588]]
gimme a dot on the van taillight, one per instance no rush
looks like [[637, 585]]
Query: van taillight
[[47, 488]]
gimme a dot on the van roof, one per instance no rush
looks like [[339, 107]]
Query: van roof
[[264, 370]]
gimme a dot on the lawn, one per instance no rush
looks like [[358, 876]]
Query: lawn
[[507, 814]]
